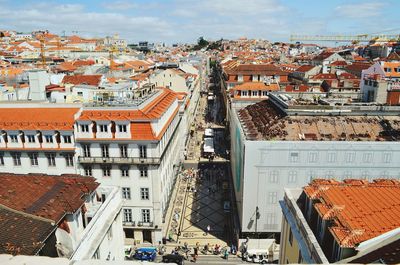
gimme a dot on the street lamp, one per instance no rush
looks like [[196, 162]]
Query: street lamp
[[257, 217]]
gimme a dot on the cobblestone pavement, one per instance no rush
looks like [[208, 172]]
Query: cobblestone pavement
[[202, 192]]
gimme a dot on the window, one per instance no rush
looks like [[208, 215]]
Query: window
[[271, 218], [367, 157], [144, 193], [387, 157], [49, 138], [1, 159], [273, 178], [143, 172], [86, 150], [313, 157], [350, 157], [88, 171], [67, 139], [51, 159], [123, 150], [294, 157], [122, 128], [273, 197], [290, 237], [33, 157], [125, 171], [106, 171], [128, 215], [292, 177], [103, 128], [142, 151], [69, 160], [84, 128], [146, 215], [265, 93], [104, 150], [240, 78], [244, 93], [126, 193], [255, 93], [16, 158], [14, 138], [331, 157], [31, 138]]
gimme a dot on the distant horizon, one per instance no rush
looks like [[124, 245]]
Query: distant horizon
[[183, 21]]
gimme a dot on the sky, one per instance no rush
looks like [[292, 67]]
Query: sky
[[184, 21]]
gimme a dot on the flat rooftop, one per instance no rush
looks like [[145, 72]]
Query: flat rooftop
[[266, 121]]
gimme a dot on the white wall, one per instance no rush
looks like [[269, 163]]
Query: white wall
[[268, 169]]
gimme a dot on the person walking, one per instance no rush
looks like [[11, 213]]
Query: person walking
[[208, 229], [195, 252]]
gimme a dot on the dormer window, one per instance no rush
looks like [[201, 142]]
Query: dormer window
[[31, 138], [67, 139], [122, 128], [84, 128], [49, 138], [14, 138], [103, 128]]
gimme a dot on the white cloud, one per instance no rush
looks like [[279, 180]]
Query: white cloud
[[120, 5], [75, 18], [361, 10]]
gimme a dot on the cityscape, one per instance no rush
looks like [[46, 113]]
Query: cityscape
[[208, 132]]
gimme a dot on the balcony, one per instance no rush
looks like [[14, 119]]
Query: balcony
[[119, 160], [132, 224], [138, 224]]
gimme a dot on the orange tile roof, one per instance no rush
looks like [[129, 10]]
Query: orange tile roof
[[93, 80], [153, 110], [256, 86], [37, 118], [142, 131], [359, 210], [46, 196]]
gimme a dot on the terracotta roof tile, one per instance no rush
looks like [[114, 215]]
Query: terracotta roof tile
[[37, 118], [50, 197], [360, 210], [93, 80]]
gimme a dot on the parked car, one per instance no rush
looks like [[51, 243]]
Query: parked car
[[172, 258], [148, 254]]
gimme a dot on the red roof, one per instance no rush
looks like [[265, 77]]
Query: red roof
[[37, 118], [153, 110], [50, 197], [358, 210], [304, 68], [92, 80], [323, 76]]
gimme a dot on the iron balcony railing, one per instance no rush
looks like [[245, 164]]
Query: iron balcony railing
[[138, 224], [119, 160]]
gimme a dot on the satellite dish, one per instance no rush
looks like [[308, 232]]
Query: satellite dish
[[64, 243]]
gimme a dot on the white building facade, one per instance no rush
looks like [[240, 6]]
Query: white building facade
[[263, 168], [135, 148]]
